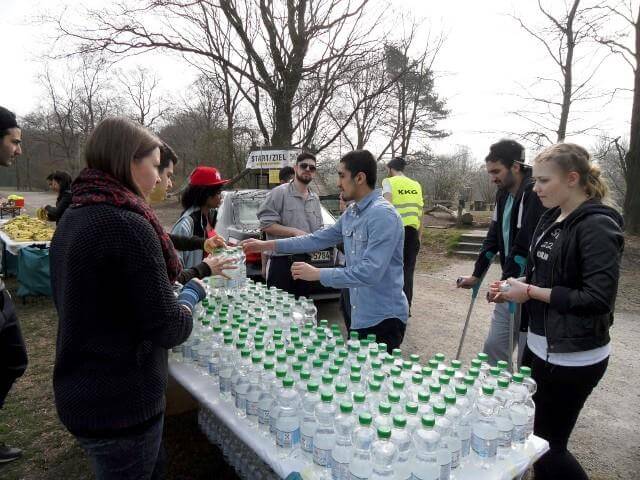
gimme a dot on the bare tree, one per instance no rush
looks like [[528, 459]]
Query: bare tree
[[276, 46], [610, 154], [562, 37], [626, 44], [140, 88]]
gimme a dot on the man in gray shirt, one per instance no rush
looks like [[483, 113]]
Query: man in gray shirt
[[291, 210]]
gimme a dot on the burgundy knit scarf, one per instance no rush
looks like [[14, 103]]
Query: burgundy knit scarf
[[93, 187]]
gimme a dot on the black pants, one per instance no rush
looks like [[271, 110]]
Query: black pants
[[561, 394], [389, 331], [13, 353], [410, 253], [279, 275]]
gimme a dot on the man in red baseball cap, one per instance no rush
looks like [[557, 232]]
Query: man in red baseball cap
[[200, 201]]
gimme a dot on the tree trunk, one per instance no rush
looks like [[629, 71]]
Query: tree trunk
[[283, 122], [568, 74], [632, 176]]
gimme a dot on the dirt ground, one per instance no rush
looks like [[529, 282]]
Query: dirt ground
[[605, 439]]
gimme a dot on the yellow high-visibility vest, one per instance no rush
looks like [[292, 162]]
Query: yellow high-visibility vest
[[407, 198]]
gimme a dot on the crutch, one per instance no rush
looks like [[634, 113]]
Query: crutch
[[513, 307], [474, 295]]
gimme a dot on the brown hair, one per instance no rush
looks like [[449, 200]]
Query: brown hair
[[570, 157], [117, 142]]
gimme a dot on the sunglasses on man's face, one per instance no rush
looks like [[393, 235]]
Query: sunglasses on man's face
[[307, 166]]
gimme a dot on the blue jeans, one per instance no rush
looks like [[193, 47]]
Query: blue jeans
[[133, 457]]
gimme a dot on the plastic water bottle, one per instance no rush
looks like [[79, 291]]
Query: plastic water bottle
[[226, 368], [453, 441], [241, 383], [288, 422], [254, 391], [504, 423], [345, 424], [484, 434], [518, 413], [384, 454], [528, 380], [383, 419], [325, 436], [275, 407], [521, 395], [374, 396], [267, 396], [426, 441], [402, 440], [360, 404], [363, 437], [308, 425], [443, 427], [411, 414], [464, 422]]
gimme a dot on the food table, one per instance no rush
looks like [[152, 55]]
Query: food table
[[32, 270]]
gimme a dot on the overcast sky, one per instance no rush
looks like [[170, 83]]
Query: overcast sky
[[485, 57]]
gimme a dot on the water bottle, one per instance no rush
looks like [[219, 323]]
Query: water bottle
[[424, 403], [325, 436], [363, 437], [521, 395], [518, 413], [415, 387], [384, 454], [308, 425], [484, 434], [267, 396], [454, 442], [241, 382], [411, 414], [504, 423], [374, 396], [288, 421], [528, 380], [464, 422], [402, 440], [426, 441], [275, 408], [341, 453], [443, 427], [226, 368], [360, 404], [435, 394], [398, 387], [383, 419], [254, 391]]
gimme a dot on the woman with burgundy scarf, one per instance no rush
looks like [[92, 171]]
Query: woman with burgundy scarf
[[112, 271]]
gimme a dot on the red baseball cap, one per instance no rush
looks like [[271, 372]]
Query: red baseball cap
[[206, 176]]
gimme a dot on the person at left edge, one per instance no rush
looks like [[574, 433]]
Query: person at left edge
[[200, 202], [291, 210], [13, 352], [112, 273], [373, 236]]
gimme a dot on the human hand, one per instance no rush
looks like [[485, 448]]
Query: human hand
[[467, 282], [217, 265], [214, 242], [304, 271], [516, 291], [253, 245]]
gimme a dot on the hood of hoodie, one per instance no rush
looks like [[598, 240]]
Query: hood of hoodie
[[590, 207]]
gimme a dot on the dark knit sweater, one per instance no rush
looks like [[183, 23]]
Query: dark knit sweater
[[117, 318]]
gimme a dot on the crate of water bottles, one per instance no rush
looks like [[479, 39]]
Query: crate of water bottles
[[280, 393]]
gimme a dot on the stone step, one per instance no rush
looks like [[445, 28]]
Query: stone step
[[469, 246], [467, 237], [465, 253]]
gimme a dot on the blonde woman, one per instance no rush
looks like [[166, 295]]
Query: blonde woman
[[569, 295]]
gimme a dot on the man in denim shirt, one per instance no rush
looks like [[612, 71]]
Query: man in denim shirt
[[373, 237]]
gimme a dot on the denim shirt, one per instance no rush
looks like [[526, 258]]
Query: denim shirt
[[373, 237]]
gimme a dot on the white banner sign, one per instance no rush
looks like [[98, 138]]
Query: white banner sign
[[268, 159]]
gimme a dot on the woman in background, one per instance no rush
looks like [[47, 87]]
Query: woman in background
[[59, 182]]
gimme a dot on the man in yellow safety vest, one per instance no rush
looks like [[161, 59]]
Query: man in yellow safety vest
[[405, 195]]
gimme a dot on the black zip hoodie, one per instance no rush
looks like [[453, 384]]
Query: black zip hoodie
[[525, 213], [584, 273]]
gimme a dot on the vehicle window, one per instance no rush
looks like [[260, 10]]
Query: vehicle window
[[327, 218], [246, 212]]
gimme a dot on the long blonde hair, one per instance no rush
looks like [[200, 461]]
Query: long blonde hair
[[570, 157]]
